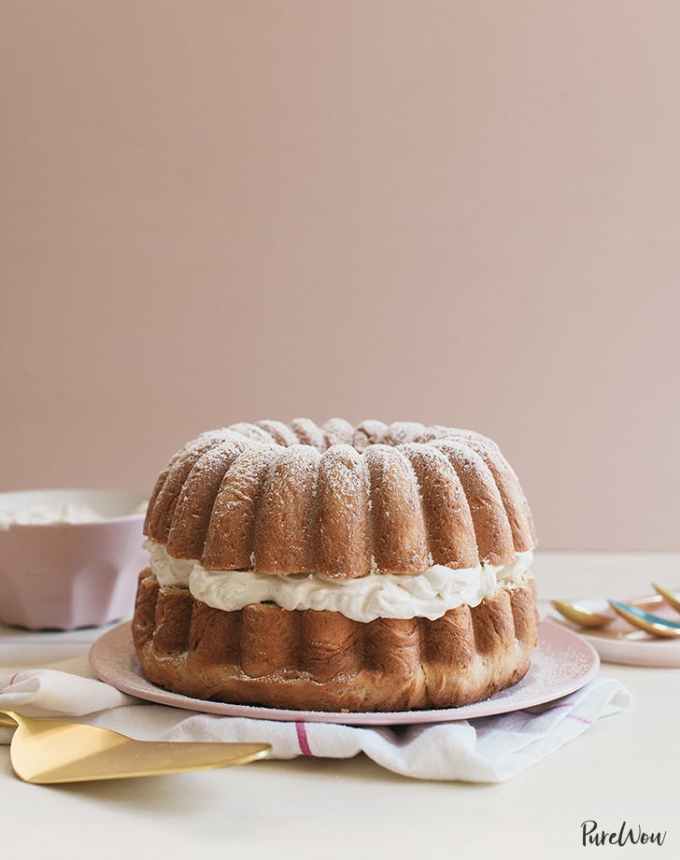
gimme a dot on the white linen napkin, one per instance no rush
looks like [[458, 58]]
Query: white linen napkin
[[491, 749]]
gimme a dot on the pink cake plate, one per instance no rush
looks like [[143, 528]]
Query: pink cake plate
[[562, 664]]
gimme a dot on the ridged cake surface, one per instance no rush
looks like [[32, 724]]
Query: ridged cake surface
[[337, 502], [340, 501]]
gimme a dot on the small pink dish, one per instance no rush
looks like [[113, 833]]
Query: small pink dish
[[621, 643], [69, 558]]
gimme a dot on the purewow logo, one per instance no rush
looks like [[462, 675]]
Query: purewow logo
[[627, 834]]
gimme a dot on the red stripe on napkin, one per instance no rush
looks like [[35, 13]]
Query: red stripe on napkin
[[303, 740]]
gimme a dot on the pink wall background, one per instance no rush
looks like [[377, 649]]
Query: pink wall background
[[453, 212]]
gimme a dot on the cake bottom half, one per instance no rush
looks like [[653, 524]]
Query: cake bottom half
[[324, 661]]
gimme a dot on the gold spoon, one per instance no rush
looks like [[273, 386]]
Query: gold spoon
[[580, 616], [652, 624], [48, 751], [670, 598]]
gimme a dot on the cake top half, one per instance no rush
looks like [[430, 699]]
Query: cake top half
[[339, 500]]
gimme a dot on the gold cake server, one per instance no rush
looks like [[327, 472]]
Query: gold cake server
[[49, 751]]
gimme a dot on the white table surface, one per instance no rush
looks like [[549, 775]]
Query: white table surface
[[626, 767]]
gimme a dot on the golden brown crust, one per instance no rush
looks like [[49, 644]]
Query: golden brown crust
[[160, 514], [324, 661], [340, 501], [513, 499], [344, 525], [285, 531], [450, 528], [309, 433], [399, 540], [193, 511], [338, 432], [491, 524], [280, 433], [369, 432], [234, 512]]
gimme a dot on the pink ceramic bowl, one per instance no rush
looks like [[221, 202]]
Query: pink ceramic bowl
[[62, 575]]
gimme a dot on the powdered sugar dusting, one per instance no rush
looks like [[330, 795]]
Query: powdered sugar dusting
[[557, 660]]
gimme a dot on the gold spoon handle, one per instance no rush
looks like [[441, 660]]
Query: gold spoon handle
[[670, 597], [8, 720]]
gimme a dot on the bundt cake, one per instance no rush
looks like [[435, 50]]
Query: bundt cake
[[337, 568]]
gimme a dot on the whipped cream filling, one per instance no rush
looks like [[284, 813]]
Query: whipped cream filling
[[430, 594]]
